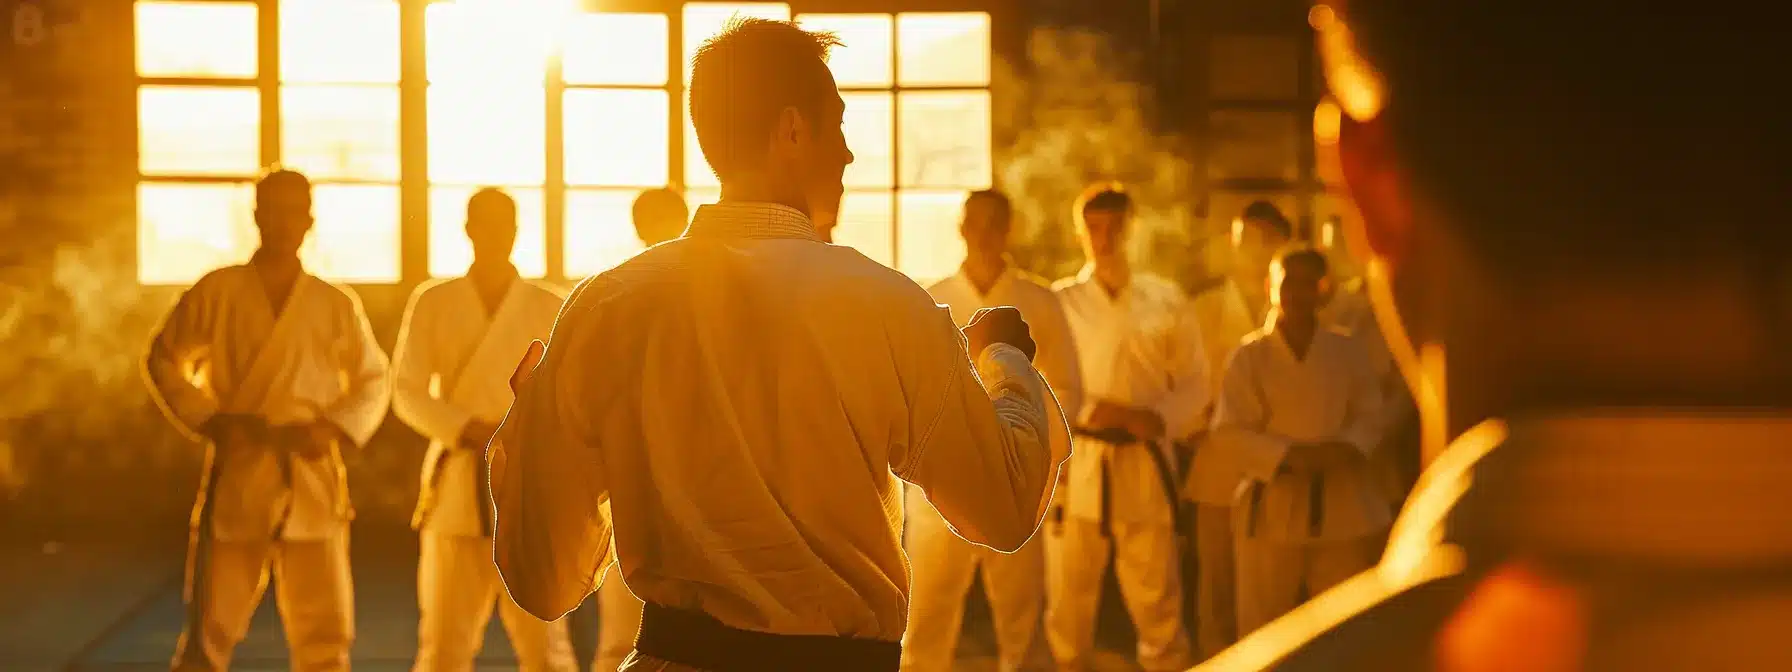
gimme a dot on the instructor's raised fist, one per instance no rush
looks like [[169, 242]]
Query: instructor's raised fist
[[1001, 324]]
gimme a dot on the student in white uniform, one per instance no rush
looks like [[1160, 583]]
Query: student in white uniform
[[942, 565], [659, 215], [457, 346], [744, 400], [1300, 412], [278, 372], [1120, 492], [1227, 314]]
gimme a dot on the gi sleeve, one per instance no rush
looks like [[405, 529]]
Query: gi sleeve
[[1240, 425], [362, 406], [1366, 417], [171, 366], [982, 447], [416, 364], [1184, 407], [551, 525]]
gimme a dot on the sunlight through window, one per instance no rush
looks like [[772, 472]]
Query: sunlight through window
[[600, 230], [186, 230], [869, 116], [865, 59], [929, 247], [356, 235], [615, 49], [339, 42], [486, 135], [616, 137], [945, 139], [340, 132], [866, 223], [449, 251], [942, 49], [198, 130], [196, 39]]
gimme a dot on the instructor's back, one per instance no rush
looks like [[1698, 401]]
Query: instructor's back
[[745, 399]]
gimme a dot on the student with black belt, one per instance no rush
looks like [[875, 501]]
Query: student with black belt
[[1300, 413], [744, 400]]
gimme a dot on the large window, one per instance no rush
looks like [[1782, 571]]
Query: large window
[[572, 113]]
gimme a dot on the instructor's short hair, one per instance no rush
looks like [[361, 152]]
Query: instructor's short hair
[[1585, 135], [744, 77], [1105, 197], [1301, 253]]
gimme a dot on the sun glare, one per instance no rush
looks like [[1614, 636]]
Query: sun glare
[[917, 119]]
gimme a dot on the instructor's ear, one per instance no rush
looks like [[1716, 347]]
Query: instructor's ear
[[526, 366]]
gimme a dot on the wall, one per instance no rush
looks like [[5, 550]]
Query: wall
[[81, 446]]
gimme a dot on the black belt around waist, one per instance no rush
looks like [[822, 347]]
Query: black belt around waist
[[696, 639]]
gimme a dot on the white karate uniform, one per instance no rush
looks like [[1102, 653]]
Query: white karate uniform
[[943, 565], [1225, 319], [1287, 541], [453, 363], [225, 349], [745, 399], [1140, 348]]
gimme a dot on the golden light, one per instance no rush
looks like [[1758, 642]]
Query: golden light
[[1355, 84], [487, 65]]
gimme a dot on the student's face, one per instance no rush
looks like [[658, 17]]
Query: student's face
[[491, 227], [1298, 288], [986, 227], [1105, 231], [821, 156], [283, 216], [1254, 245]]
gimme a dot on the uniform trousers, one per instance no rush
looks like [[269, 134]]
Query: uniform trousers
[[225, 581], [457, 587]]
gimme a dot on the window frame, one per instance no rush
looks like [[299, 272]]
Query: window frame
[[414, 183]]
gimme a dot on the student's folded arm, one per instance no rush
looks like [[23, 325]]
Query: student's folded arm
[[180, 343], [414, 364], [1184, 408], [551, 531], [1240, 423], [982, 447]]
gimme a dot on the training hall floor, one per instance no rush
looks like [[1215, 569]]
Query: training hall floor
[[112, 602]]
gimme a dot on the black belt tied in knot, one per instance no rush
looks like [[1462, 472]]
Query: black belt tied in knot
[[695, 639]]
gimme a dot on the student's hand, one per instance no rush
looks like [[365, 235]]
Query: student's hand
[[477, 434], [526, 366], [1001, 324]]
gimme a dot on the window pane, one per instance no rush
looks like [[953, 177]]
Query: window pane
[[864, 58], [614, 48], [194, 130], [449, 251], [700, 197], [196, 39], [929, 245], [340, 132], [868, 135], [186, 230], [600, 230], [489, 42], [482, 135], [1254, 144], [942, 49], [702, 20], [945, 139], [356, 235], [617, 137], [339, 41], [865, 225]]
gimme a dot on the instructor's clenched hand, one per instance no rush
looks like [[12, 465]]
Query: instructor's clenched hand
[[1001, 324]]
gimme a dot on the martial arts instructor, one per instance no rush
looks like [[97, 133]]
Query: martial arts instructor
[[745, 398]]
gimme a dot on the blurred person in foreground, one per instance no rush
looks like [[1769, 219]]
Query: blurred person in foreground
[[659, 215], [1226, 313], [944, 565], [1574, 243], [457, 345], [278, 373], [1299, 415], [1144, 385], [745, 398]]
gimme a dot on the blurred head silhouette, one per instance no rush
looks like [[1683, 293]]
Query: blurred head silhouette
[[283, 212], [491, 225], [986, 226], [1103, 214], [660, 215]]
